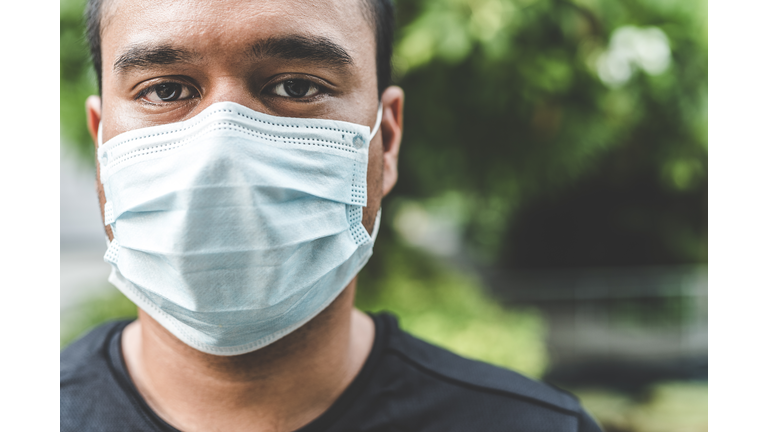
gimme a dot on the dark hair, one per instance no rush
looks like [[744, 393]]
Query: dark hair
[[381, 13]]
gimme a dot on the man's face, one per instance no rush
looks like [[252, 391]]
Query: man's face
[[166, 61]]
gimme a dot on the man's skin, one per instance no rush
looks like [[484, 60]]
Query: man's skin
[[291, 382]]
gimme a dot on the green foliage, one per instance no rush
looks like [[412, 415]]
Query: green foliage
[[93, 312], [511, 102], [77, 79], [451, 309], [664, 407]]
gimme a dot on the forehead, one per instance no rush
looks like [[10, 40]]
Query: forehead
[[228, 27]]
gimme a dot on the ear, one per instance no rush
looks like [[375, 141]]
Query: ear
[[93, 114], [391, 133]]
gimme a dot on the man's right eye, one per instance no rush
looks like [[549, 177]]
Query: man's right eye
[[167, 92]]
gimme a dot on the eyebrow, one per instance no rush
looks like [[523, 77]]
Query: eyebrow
[[316, 49], [144, 56]]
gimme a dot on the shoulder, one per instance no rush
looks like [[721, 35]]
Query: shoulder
[[90, 389], [471, 391], [89, 351]]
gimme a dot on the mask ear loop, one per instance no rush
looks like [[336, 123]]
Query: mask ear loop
[[98, 138], [373, 134], [378, 122], [376, 225]]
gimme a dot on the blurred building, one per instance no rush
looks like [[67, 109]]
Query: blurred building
[[622, 327]]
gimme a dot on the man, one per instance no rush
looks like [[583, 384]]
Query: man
[[227, 126]]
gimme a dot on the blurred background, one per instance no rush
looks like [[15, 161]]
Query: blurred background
[[551, 212]]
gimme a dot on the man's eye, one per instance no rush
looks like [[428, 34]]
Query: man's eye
[[168, 92], [296, 88]]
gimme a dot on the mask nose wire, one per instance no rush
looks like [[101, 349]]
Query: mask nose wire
[[375, 130], [378, 121]]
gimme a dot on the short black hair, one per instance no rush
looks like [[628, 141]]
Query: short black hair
[[381, 14]]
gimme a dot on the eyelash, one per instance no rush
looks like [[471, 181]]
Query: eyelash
[[154, 87], [321, 90]]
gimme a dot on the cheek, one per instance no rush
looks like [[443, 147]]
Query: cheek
[[374, 180]]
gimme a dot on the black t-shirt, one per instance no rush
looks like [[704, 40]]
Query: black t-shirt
[[405, 385]]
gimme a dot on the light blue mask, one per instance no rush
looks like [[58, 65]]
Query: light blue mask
[[234, 228]]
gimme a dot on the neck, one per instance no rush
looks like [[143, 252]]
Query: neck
[[280, 387]]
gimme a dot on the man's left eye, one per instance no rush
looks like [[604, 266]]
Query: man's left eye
[[296, 88], [169, 92]]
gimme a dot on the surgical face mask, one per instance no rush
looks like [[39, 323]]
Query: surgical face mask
[[234, 228]]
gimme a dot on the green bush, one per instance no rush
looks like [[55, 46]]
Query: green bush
[[97, 310], [663, 407]]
